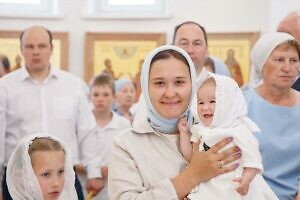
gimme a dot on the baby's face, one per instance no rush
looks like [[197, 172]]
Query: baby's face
[[206, 101], [48, 167]]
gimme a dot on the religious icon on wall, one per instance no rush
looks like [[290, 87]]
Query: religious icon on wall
[[234, 49], [234, 67], [120, 54]]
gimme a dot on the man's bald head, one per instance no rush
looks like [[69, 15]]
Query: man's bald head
[[291, 24], [36, 28]]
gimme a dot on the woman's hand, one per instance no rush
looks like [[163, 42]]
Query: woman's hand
[[206, 165], [211, 163]]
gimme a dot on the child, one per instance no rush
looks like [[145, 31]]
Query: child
[[222, 113], [40, 168], [109, 123]]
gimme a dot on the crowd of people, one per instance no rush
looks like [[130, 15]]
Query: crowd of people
[[191, 134]]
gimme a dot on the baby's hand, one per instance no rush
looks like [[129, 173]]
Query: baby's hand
[[182, 125], [245, 180], [243, 186]]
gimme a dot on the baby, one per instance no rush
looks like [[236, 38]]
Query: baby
[[222, 113]]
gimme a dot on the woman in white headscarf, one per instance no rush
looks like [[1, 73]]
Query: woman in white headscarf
[[275, 107], [222, 112], [261, 52], [145, 162], [40, 168]]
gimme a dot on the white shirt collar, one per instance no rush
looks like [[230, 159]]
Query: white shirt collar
[[25, 74], [114, 122]]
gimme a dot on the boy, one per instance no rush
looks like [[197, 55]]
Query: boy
[[102, 95]]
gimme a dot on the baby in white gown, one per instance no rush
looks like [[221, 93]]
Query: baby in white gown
[[222, 113]]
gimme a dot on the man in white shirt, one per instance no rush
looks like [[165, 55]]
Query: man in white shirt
[[192, 37], [39, 98]]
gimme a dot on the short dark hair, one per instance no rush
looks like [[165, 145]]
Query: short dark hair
[[47, 30], [104, 79], [189, 22]]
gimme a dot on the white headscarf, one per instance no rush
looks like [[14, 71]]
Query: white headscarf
[[231, 106], [158, 122], [21, 180], [260, 53]]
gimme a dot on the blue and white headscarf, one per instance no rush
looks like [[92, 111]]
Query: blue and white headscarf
[[158, 122], [120, 83]]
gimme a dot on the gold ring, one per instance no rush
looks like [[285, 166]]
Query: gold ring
[[221, 163]]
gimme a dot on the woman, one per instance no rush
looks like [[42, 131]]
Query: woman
[[125, 97], [275, 107], [146, 162]]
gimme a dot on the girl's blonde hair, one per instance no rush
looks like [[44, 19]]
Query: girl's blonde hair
[[44, 144]]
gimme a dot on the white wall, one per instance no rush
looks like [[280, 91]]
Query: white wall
[[215, 15], [278, 10]]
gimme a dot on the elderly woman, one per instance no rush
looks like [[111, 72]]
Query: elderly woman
[[145, 161], [275, 107], [125, 97]]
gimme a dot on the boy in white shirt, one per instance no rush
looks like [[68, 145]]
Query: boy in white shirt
[[102, 95]]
